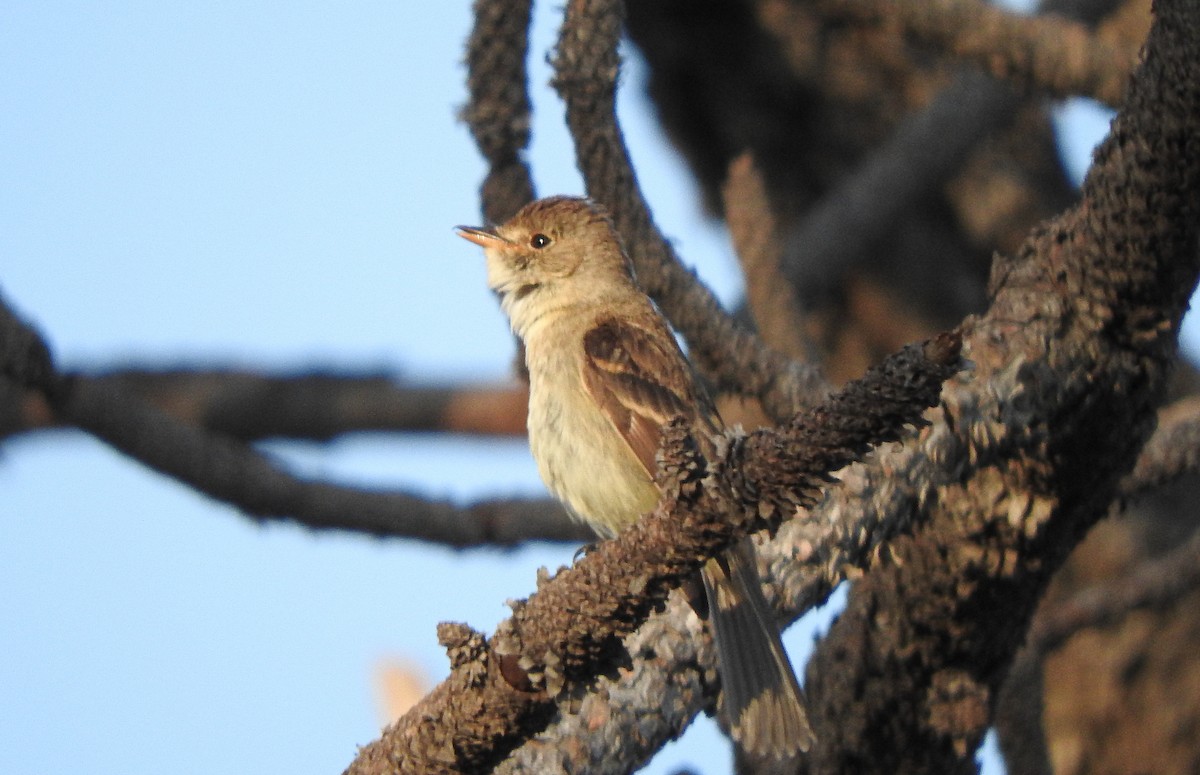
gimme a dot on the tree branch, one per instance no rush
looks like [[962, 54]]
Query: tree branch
[[754, 231], [1047, 54], [1156, 582], [317, 406], [234, 473], [503, 690], [1070, 361], [586, 65], [498, 109], [1173, 450], [922, 154]]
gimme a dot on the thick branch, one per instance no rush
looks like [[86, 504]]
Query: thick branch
[[586, 65], [1070, 361], [569, 631], [1048, 54]]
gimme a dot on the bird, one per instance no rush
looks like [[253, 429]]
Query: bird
[[605, 376]]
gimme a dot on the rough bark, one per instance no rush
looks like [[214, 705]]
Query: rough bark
[[952, 538], [504, 689]]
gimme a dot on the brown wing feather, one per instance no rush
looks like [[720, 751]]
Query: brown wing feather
[[640, 379]]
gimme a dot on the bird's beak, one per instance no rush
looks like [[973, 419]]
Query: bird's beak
[[484, 238]]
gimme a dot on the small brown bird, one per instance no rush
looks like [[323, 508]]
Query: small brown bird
[[605, 375]]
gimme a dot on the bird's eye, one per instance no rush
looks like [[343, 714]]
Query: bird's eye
[[539, 241]]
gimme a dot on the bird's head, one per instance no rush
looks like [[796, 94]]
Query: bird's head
[[550, 253]]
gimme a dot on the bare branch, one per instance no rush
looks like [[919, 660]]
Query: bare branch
[[569, 630], [1156, 582], [1048, 54], [1032, 449], [924, 151], [754, 231], [317, 406], [498, 110], [229, 471], [1172, 451], [234, 473], [586, 65]]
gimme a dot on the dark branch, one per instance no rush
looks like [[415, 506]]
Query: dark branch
[[316, 406], [1173, 450], [569, 631], [756, 240], [498, 110], [231, 472], [1071, 364], [586, 65], [228, 470], [924, 152], [1046, 54], [1153, 583]]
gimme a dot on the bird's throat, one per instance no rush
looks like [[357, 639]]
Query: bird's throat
[[521, 291]]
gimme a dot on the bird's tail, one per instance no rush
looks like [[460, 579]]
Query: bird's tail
[[763, 701]]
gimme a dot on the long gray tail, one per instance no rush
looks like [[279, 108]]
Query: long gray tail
[[763, 700]]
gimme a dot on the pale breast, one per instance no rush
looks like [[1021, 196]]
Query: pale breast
[[581, 457]]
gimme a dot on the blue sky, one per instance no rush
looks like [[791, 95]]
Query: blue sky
[[266, 184]]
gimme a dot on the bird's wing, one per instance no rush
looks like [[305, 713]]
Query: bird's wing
[[640, 380]]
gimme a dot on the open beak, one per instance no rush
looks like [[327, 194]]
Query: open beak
[[484, 238]]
